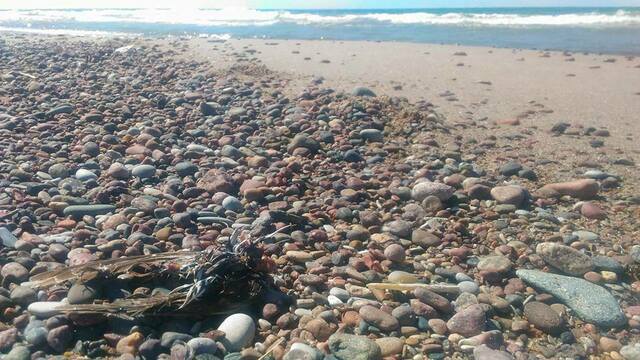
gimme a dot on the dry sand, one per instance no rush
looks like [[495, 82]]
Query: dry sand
[[476, 88], [544, 87]]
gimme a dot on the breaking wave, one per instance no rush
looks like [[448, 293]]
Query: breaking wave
[[248, 17]]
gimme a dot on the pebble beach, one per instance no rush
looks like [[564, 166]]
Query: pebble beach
[[406, 225]]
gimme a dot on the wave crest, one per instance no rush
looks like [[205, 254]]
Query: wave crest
[[248, 17]]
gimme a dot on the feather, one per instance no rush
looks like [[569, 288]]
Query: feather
[[106, 268], [206, 282]]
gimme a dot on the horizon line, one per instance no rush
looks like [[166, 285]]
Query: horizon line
[[346, 9]]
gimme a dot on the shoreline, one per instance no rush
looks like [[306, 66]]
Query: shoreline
[[539, 88], [228, 36]]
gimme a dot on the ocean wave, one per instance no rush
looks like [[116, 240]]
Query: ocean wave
[[248, 17]]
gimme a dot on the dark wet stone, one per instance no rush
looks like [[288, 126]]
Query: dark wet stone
[[63, 109], [186, 168], [78, 211], [510, 168]]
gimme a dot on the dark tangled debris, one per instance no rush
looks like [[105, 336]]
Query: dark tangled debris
[[154, 207], [208, 282]]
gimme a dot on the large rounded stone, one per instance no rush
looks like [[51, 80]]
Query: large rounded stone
[[468, 322], [239, 330], [143, 171], [510, 194], [494, 264], [378, 318], [353, 347], [14, 272], [390, 346], [543, 317], [395, 253], [427, 188], [425, 239]]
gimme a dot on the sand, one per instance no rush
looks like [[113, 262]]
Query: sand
[[543, 87], [478, 89]]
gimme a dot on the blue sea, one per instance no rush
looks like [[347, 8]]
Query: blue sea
[[601, 30]]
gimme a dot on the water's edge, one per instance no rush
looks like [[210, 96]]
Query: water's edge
[[599, 30]]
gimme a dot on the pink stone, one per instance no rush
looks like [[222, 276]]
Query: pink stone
[[582, 189], [592, 211]]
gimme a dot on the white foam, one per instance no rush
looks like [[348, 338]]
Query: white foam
[[249, 17], [84, 33]]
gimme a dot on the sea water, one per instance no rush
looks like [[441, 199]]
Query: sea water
[[607, 30]]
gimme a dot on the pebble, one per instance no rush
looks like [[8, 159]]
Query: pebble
[[510, 168], [201, 345], [85, 175], [378, 318], [583, 189], [564, 258], [427, 188], [14, 272], [143, 171], [390, 346], [169, 338], [587, 236], [23, 295], [7, 238], [18, 353], [81, 294], [58, 171], [402, 277], [35, 333], [8, 338], [239, 330], [302, 351], [483, 352], [60, 337], [543, 317], [150, 349], [468, 322], [395, 253], [494, 264], [78, 211], [631, 351], [510, 194], [353, 347], [372, 135], [592, 211], [130, 343]]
